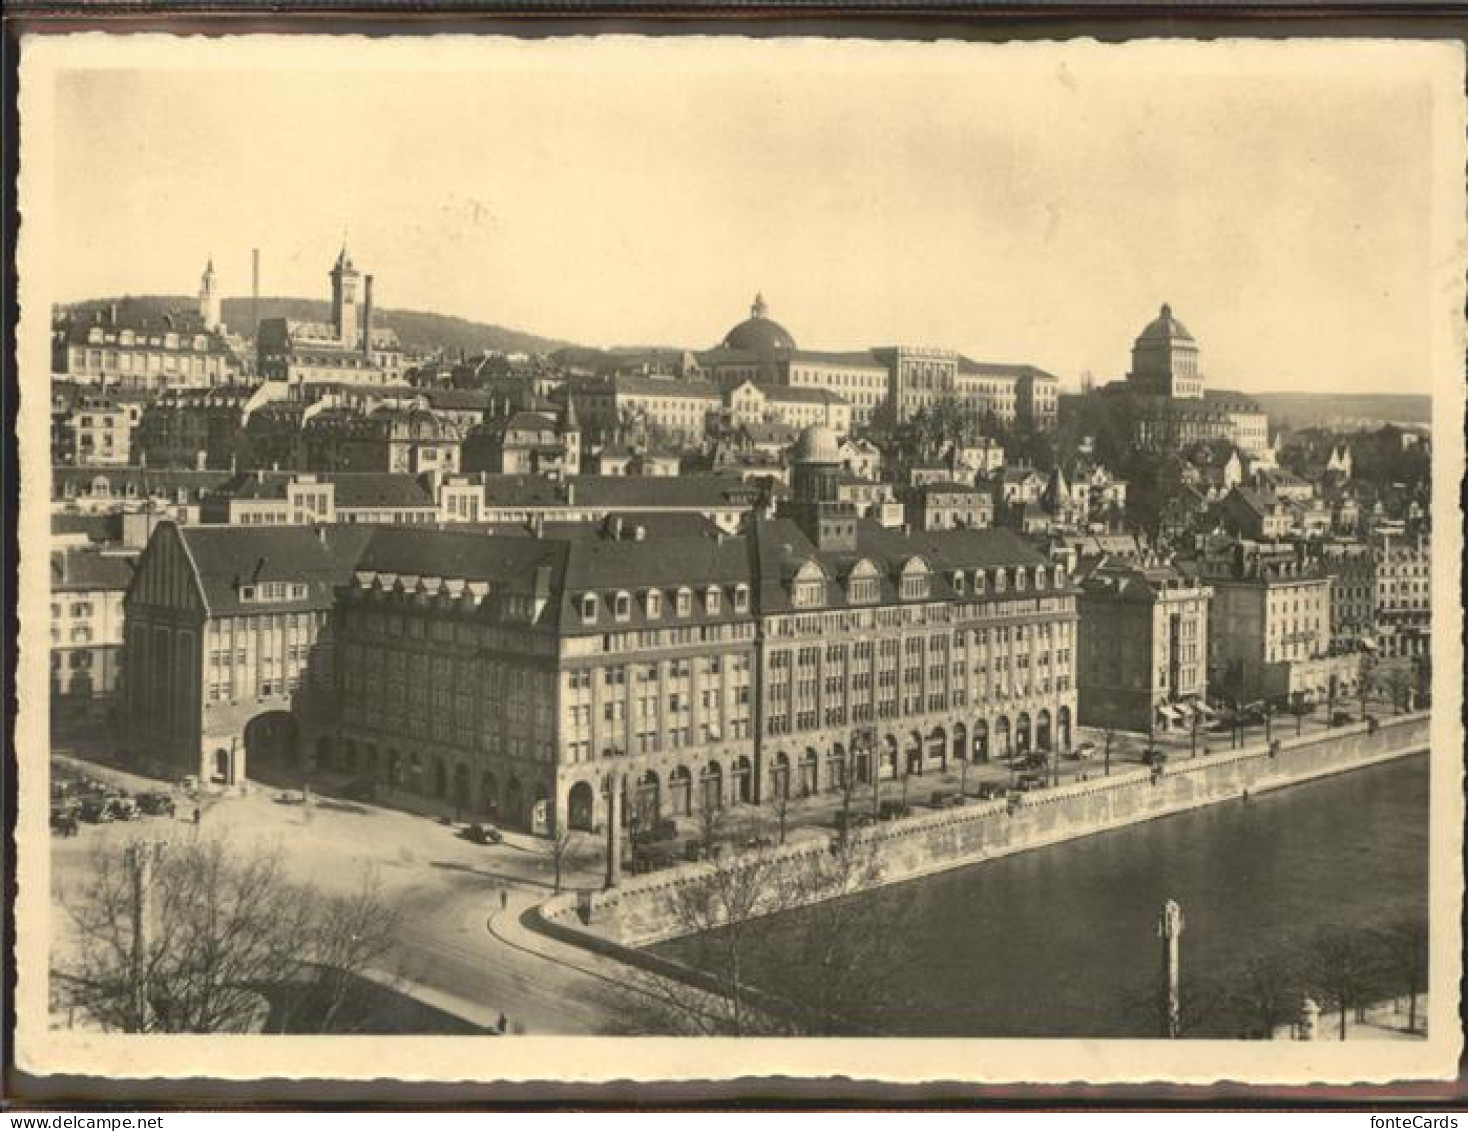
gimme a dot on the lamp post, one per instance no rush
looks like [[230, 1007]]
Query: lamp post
[[1169, 930]]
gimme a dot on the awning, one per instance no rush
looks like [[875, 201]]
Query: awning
[[1167, 711], [1206, 711], [1368, 643]]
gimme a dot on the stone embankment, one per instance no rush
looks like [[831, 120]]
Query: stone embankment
[[640, 910]]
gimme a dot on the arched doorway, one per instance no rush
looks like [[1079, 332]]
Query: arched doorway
[[780, 776], [221, 768], [647, 799], [581, 807], [1042, 730], [743, 780], [887, 768], [514, 802], [836, 768], [271, 737], [1022, 734], [935, 755], [489, 794], [680, 791], [712, 779], [913, 755], [415, 772], [862, 765], [1003, 741], [981, 741], [1062, 727], [440, 778], [809, 764], [540, 812], [960, 742]]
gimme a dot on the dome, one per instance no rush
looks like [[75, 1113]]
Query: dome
[[818, 444], [758, 333], [1165, 328]]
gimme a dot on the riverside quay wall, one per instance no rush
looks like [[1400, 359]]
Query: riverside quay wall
[[640, 911]]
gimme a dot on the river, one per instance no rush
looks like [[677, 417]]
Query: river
[[1061, 941]]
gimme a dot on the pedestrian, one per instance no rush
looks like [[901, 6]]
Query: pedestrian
[[198, 814], [503, 1023], [504, 899]]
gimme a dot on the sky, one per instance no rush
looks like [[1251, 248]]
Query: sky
[[1026, 203]]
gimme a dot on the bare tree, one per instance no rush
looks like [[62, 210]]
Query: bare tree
[[1402, 946], [560, 852], [1339, 968], [1265, 991], [189, 937]]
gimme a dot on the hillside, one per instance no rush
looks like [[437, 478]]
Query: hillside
[[418, 330], [1305, 410]]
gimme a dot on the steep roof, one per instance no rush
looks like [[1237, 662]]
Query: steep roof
[[88, 570], [225, 558]]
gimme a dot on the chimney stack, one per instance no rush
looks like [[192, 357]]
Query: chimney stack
[[367, 318]]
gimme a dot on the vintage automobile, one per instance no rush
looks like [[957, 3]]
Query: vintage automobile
[[989, 791], [1085, 751], [892, 810], [123, 809], [1028, 783], [63, 820], [482, 834], [156, 803], [95, 809]]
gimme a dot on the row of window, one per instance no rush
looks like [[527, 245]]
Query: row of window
[[653, 603]]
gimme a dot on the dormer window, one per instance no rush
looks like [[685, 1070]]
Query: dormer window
[[999, 580], [713, 600], [1019, 579], [978, 582], [741, 598], [622, 606], [1060, 577], [957, 582], [685, 602], [1040, 578], [864, 586], [809, 589], [588, 608], [915, 584], [654, 604]]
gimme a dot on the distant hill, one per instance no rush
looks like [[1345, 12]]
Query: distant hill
[[418, 330], [1306, 410]]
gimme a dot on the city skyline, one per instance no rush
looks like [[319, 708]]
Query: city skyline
[[1119, 189]]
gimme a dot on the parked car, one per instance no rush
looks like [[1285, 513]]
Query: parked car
[[660, 830], [483, 834], [1155, 757], [63, 820], [988, 791], [1340, 719], [1027, 783], [95, 809], [656, 858], [1085, 751], [156, 803], [123, 809], [694, 851], [892, 810]]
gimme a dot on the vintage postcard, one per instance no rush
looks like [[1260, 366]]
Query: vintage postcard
[[690, 558]]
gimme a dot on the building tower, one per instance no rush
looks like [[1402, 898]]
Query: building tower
[[1165, 360], [211, 303], [815, 492], [345, 297]]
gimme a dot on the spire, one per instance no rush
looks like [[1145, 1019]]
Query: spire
[[569, 422], [1166, 310], [758, 309]]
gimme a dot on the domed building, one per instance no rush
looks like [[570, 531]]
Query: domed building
[[1165, 359], [759, 333]]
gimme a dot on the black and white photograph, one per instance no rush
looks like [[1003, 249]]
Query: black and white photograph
[[810, 544]]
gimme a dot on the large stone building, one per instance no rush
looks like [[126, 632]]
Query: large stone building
[[680, 408], [349, 349], [87, 588], [134, 345], [518, 676], [227, 649], [1144, 647], [1403, 592], [1270, 633], [1166, 404]]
